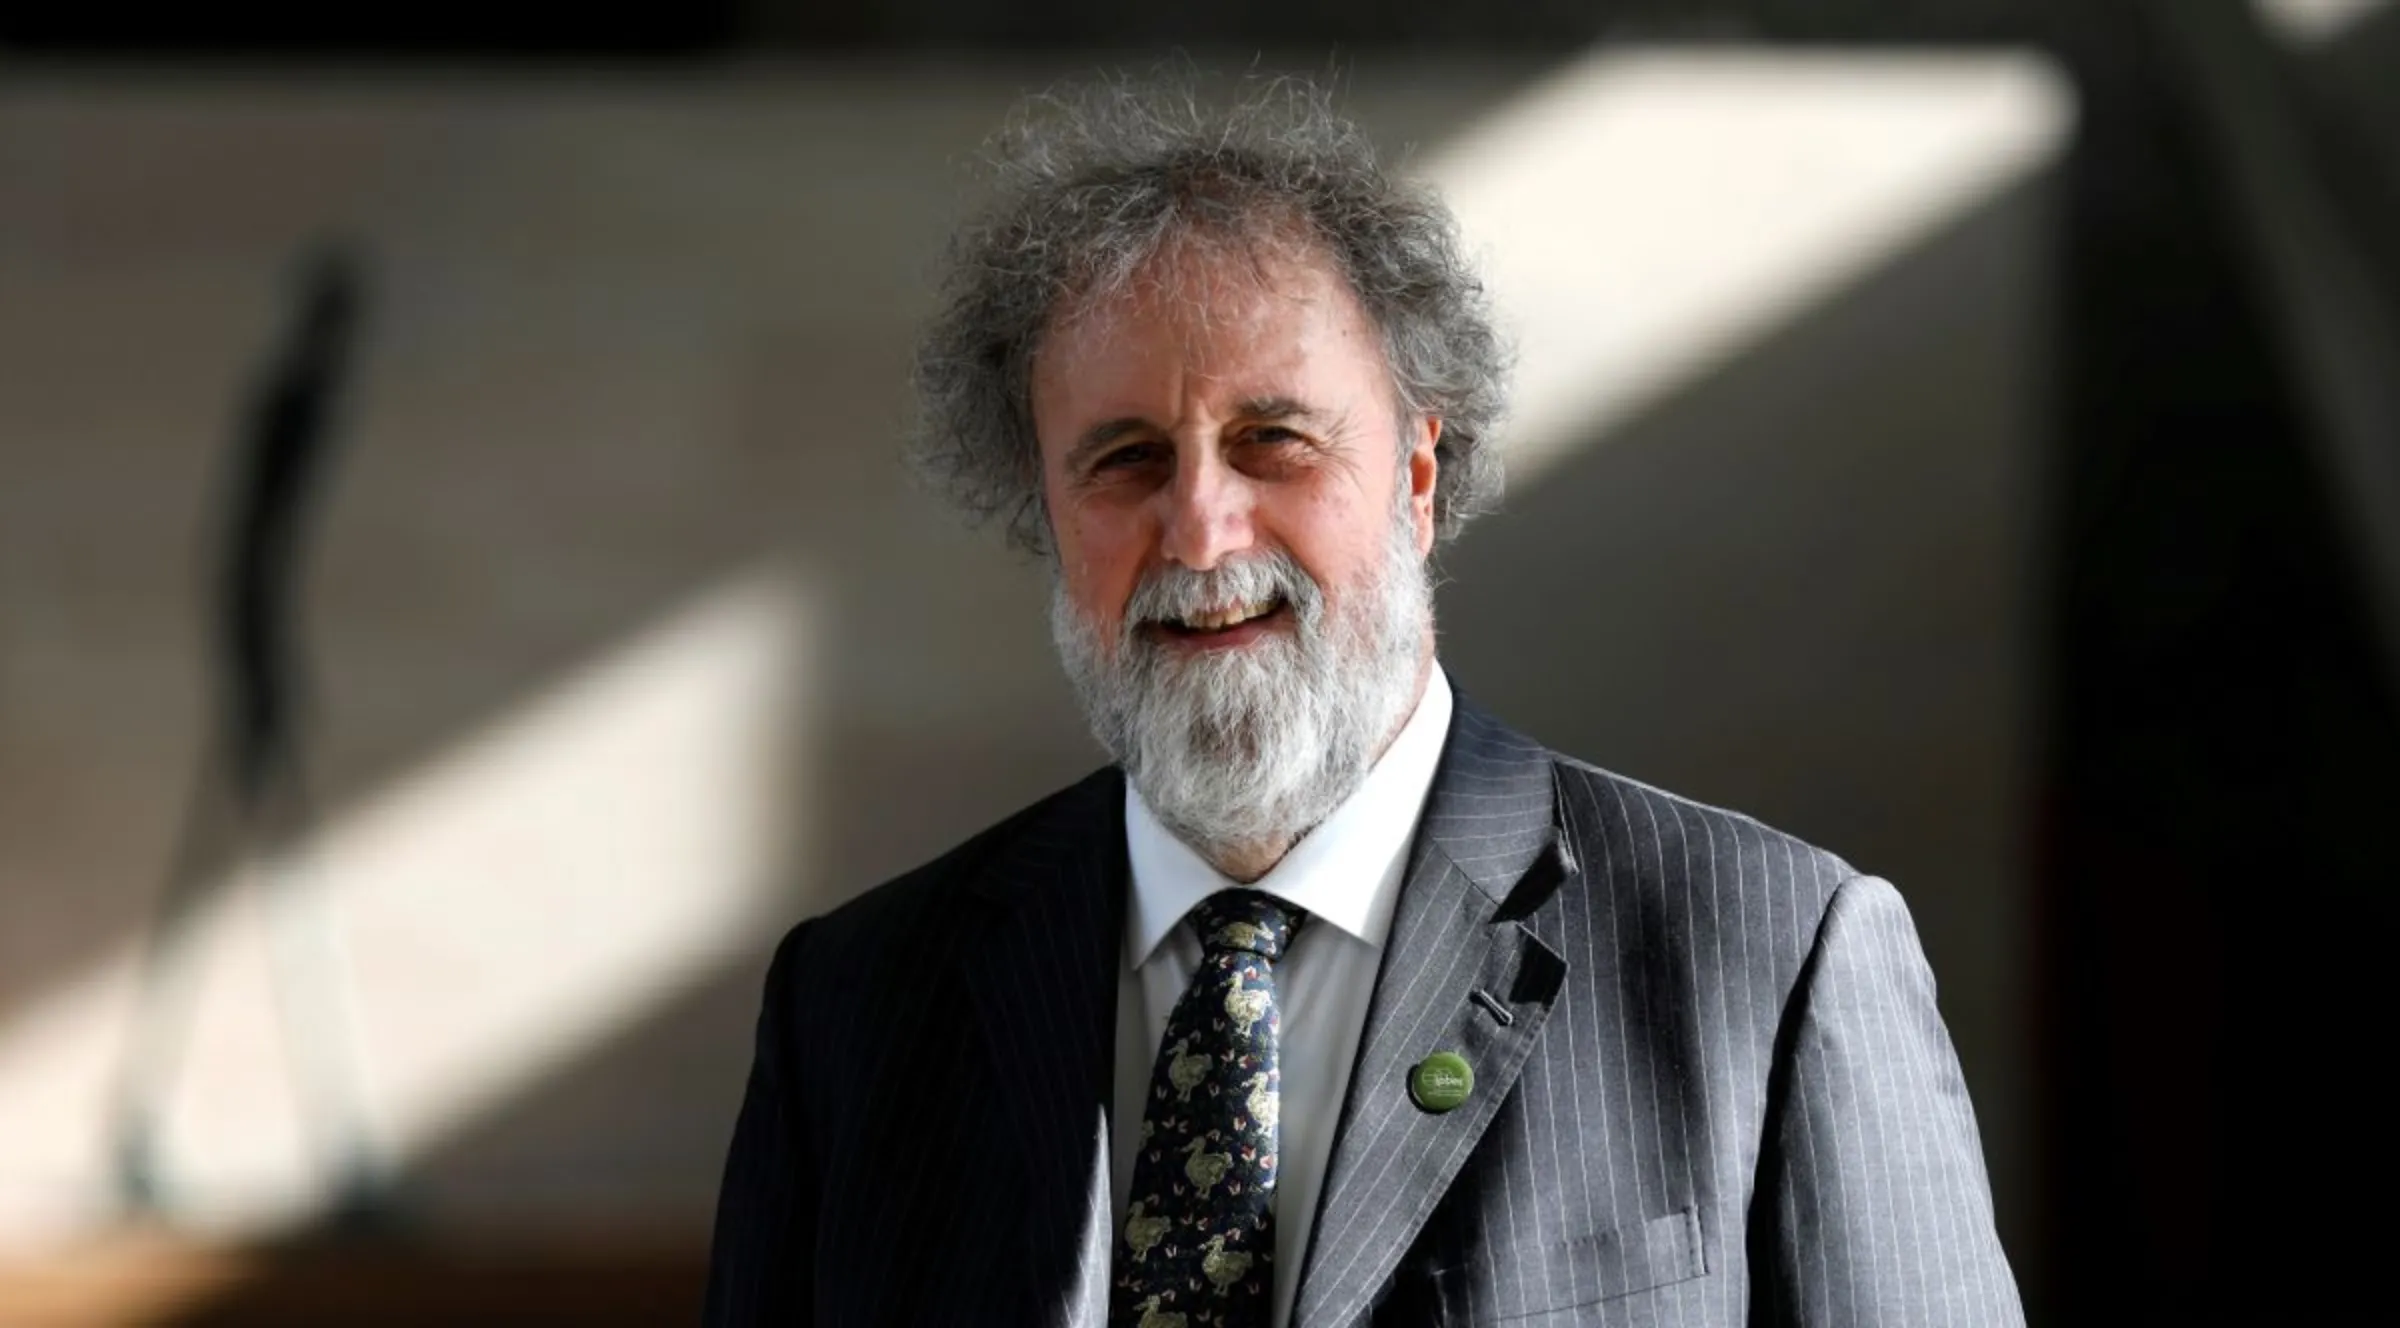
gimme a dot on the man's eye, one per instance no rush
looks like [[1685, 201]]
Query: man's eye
[[1274, 433], [1135, 454]]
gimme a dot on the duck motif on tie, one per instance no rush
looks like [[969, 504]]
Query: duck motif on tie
[[1198, 1241]]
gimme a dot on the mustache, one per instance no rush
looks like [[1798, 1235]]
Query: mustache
[[1173, 593]]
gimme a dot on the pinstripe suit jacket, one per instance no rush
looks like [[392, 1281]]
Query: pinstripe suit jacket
[[1711, 1086]]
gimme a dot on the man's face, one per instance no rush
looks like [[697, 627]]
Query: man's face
[[1240, 516], [1219, 409]]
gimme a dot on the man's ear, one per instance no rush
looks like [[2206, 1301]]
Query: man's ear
[[1424, 473]]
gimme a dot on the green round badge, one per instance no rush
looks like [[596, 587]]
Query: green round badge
[[1441, 1081]]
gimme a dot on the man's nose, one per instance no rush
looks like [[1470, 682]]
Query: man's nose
[[1207, 518]]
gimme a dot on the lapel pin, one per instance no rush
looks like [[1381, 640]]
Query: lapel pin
[[1440, 1082]]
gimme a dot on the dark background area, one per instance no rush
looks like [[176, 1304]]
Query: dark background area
[[658, 30], [2216, 781]]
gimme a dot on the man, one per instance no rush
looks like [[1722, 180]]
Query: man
[[1332, 1001]]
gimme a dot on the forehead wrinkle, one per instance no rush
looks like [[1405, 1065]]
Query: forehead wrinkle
[[1196, 296]]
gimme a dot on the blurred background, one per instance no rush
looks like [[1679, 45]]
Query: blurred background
[[459, 598]]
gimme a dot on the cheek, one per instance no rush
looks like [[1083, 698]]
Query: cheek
[[1335, 533], [1100, 555]]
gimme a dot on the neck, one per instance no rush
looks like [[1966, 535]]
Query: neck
[[1243, 863]]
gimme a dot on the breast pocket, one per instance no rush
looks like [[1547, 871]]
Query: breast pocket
[[1551, 1283]]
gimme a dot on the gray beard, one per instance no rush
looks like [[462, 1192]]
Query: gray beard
[[1239, 748]]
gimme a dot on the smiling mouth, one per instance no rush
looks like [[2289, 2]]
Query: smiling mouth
[[1216, 622]]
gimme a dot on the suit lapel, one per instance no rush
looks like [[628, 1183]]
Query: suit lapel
[[1461, 972], [1042, 981]]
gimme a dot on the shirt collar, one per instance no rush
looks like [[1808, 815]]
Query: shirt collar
[[1345, 873]]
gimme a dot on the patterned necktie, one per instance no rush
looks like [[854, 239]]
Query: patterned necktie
[[1197, 1248]]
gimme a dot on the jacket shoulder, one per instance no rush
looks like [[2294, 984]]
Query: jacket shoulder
[[867, 925], [1652, 840]]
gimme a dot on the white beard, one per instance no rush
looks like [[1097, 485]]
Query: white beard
[[1239, 748]]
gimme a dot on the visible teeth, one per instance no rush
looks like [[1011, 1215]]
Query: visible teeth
[[1220, 619]]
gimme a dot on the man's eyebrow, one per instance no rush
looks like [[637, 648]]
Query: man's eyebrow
[[1099, 436], [1279, 408]]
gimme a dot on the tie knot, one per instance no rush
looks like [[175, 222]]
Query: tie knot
[[1251, 920]]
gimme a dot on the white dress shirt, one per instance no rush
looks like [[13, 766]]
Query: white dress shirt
[[1346, 874]]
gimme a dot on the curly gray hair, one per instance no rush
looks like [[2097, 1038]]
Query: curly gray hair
[[1094, 182]]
